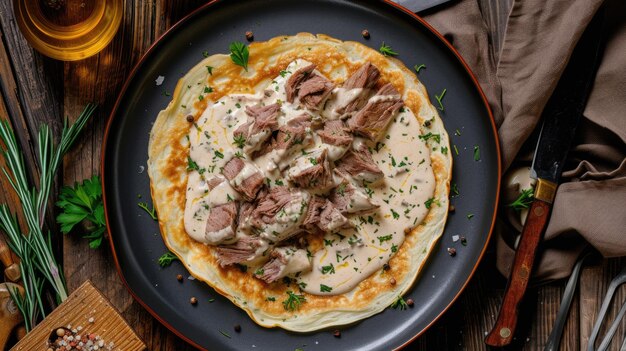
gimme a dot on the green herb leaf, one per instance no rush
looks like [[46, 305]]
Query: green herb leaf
[[166, 259], [399, 304], [210, 69], [239, 140], [387, 50], [293, 301], [430, 135], [476, 153], [440, 98], [151, 212], [192, 165], [419, 68], [384, 238], [523, 200], [328, 269], [239, 54], [325, 288], [428, 203]]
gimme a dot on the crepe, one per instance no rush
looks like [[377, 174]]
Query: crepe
[[216, 77]]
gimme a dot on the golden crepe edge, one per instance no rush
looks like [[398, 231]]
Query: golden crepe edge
[[170, 128]]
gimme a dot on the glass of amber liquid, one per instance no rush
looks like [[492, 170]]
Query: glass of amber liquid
[[68, 30]]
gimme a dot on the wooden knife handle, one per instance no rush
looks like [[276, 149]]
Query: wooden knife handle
[[502, 332]]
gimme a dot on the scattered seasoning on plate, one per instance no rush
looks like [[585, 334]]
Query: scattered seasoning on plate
[[451, 208], [193, 300], [179, 277], [365, 33], [189, 118], [463, 241], [452, 251], [392, 281], [337, 333], [249, 36], [410, 302], [237, 328]]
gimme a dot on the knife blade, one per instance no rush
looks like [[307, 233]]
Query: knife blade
[[560, 118]]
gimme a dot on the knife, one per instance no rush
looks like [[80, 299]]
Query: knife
[[560, 118]]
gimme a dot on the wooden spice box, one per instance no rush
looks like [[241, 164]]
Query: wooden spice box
[[84, 303]]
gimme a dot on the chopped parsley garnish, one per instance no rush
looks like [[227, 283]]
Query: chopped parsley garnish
[[225, 334], [283, 73], [470, 215], [341, 189], [456, 151], [270, 298], [151, 212], [394, 248], [444, 150], [205, 53], [313, 160], [476, 153], [239, 140], [219, 154], [419, 68], [387, 50], [230, 199], [328, 269], [328, 242], [457, 132], [430, 135], [210, 69], [302, 285], [428, 203], [440, 98], [239, 54], [239, 154], [166, 259], [523, 200], [455, 189], [279, 182], [200, 97], [165, 93], [192, 165], [293, 301], [208, 90], [382, 239], [399, 304], [325, 288], [394, 214], [259, 271]]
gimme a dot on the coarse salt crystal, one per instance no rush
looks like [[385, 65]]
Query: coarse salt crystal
[[455, 238], [91, 320], [159, 80]]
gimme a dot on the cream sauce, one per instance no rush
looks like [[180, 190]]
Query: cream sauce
[[353, 254], [350, 254], [340, 97]]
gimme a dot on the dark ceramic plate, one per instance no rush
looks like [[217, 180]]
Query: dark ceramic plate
[[135, 238]]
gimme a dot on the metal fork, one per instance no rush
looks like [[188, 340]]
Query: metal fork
[[615, 283]]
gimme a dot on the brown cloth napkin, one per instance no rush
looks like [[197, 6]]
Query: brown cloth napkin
[[590, 205]]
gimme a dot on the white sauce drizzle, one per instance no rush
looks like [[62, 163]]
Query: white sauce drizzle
[[354, 253]]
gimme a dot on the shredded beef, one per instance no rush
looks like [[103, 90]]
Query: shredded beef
[[372, 120], [360, 165]]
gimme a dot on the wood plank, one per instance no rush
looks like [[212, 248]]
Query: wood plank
[[32, 88], [87, 308], [595, 281], [99, 79]]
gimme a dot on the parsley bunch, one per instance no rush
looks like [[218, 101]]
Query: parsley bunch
[[83, 202]]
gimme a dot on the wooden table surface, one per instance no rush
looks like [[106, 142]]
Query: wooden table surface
[[36, 90]]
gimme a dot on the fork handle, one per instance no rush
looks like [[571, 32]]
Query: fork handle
[[503, 330]]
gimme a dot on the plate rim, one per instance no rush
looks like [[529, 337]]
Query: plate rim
[[203, 7]]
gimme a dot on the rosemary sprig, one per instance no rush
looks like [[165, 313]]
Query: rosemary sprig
[[293, 301], [386, 50], [523, 201], [400, 304], [34, 247]]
